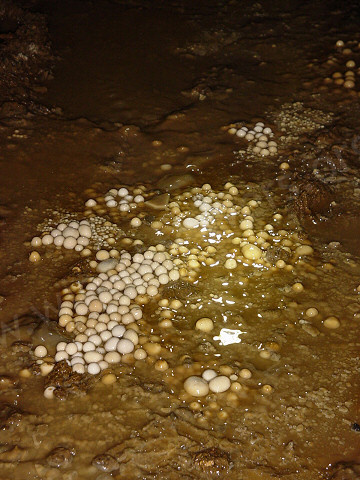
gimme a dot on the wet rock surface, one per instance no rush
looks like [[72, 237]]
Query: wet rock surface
[[60, 457], [173, 182], [7, 383], [105, 463], [345, 471], [180, 289], [10, 416], [25, 59]]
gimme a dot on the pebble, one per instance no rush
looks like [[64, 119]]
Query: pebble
[[59, 356], [135, 222], [102, 255], [111, 343], [85, 231]]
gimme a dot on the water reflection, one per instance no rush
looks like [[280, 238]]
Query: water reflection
[[228, 336]]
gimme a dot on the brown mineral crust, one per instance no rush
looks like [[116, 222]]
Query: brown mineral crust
[[35, 369], [20, 346], [274, 253], [67, 382], [105, 463], [7, 383], [179, 289], [9, 416], [345, 471], [212, 460], [311, 197], [13, 453]]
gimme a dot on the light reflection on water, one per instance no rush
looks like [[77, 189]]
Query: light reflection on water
[[228, 336]]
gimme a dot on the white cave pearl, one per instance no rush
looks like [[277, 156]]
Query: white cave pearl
[[47, 240], [91, 357], [71, 348], [40, 351], [196, 386], [69, 243], [112, 357], [111, 344], [219, 384], [85, 231], [118, 331], [125, 346], [190, 223], [251, 252], [70, 232], [93, 368], [209, 374]]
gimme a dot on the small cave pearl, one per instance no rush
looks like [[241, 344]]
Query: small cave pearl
[[34, 257], [209, 374], [331, 323], [204, 324], [40, 351], [251, 252]]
